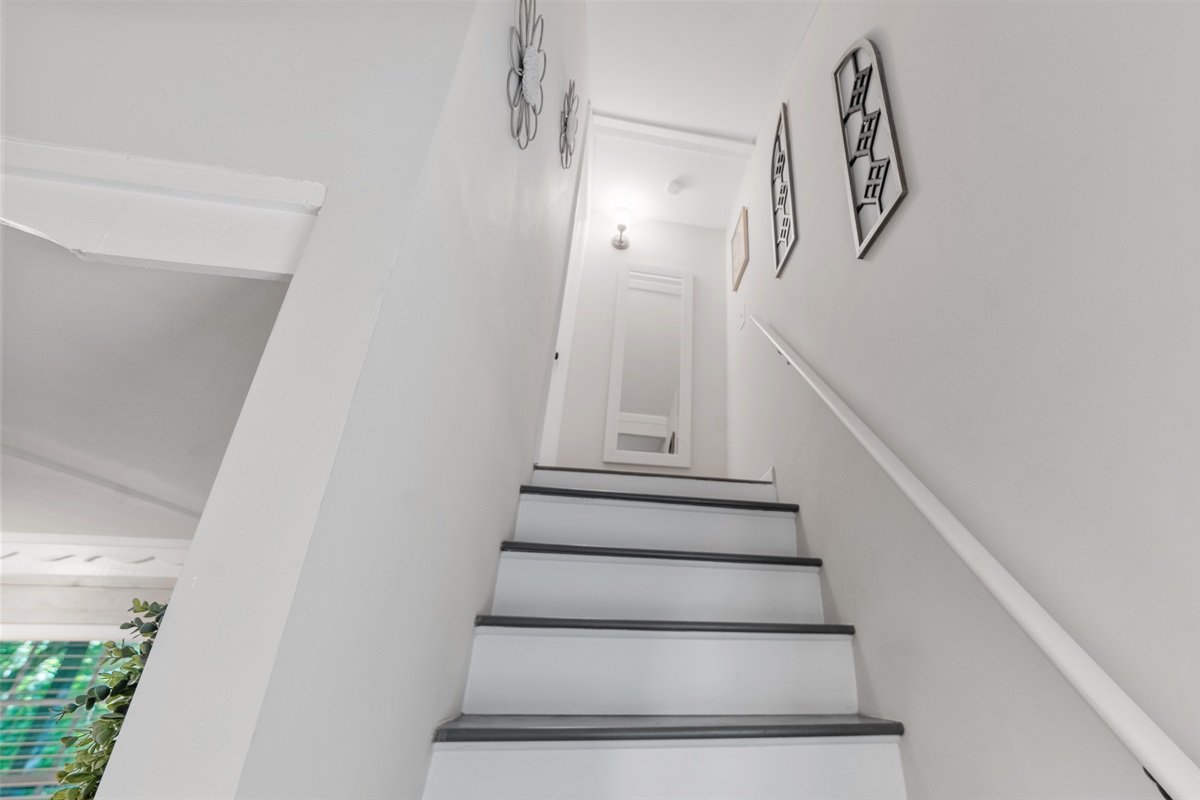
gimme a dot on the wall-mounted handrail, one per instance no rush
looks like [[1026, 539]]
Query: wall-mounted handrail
[[1169, 765]]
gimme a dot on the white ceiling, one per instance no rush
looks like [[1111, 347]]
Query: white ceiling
[[121, 387], [634, 174], [708, 66], [683, 68]]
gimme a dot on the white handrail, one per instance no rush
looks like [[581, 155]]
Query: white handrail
[[1169, 765]]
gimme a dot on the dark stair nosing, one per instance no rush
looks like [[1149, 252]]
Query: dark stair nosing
[[651, 475], [666, 555], [538, 728], [575, 623], [666, 499]]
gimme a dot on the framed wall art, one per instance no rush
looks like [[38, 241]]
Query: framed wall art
[[739, 249], [874, 176], [781, 193]]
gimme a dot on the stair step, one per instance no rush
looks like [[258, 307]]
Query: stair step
[[666, 555], [655, 483], [624, 727], [696, 626], [540, 579], [738, 758], [538, 665], [667, 499], [662, 522]]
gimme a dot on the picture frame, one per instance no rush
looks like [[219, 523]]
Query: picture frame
[[782, 197], [739, 248]]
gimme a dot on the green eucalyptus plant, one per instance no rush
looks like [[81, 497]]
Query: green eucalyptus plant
[[112, 695]]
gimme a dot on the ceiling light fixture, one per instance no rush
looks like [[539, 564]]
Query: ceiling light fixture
[[621, 216]]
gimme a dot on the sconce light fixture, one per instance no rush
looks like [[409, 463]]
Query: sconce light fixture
[[621, 216]]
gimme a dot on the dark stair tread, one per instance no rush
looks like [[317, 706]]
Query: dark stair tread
[[534, 728], [489, 620], [649, 475], [666, 499], [672, 555]]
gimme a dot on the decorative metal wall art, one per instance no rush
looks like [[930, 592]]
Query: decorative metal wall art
[[781, 194], [568, 126], [739, 249], [525, 77], [874, 176]]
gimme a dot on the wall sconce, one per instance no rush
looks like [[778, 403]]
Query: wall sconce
[[621, 216]]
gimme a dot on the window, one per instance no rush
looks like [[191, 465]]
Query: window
[[36, 678]]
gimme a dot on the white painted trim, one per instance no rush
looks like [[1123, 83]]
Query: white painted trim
[[49, 556], [642, 278], [60, 632], [145, 212], [15, 540], [634, 130], [1149, 744]]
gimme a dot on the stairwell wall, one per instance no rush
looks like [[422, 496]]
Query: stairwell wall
[[439, 438], [1021, 334]]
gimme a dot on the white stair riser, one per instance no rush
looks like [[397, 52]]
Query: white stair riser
[[560, 671], [596, 587], [807, 769], [655, 526], [666, 484]]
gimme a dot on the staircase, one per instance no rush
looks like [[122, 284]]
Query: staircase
[[656, 637]]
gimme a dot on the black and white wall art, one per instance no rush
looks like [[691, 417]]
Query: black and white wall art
[[874, 176], [781, 193]]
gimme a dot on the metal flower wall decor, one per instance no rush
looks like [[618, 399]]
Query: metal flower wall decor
[[525, 76], [568, 126]]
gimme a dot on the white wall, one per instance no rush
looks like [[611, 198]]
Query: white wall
[[440, 436], [1023, 335], [121, 388], [688, 249], [347, 94]]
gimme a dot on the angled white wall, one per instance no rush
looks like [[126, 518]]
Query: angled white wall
[[440, 436], [344, 94], [1022, 334]]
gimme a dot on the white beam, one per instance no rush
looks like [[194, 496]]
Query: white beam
[[29, 557], [71, 588], [146, 212], [637, 131]]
